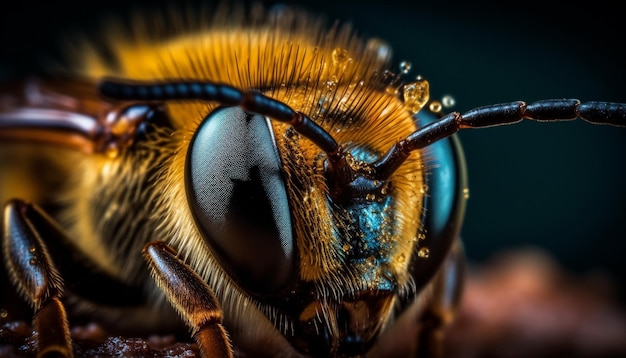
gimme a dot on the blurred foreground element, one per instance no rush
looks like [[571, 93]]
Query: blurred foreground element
[[520, 304]]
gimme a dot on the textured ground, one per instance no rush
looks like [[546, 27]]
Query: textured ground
[[519, 305], [523, 305]]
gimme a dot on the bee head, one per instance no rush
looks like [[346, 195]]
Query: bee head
[[325, 235]]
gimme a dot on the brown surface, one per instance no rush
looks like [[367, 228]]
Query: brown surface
[[523, 305], [519, 305]]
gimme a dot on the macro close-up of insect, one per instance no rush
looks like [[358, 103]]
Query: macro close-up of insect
[[252, 180]]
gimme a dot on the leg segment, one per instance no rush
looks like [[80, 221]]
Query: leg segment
[[445, 299], [37, 254], [32, 271], [191, 297]]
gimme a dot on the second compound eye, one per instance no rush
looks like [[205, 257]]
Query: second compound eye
[[238, 198]]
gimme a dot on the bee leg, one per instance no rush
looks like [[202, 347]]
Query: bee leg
[[37, 279], [88, 285], [445, 300], [192, 298]]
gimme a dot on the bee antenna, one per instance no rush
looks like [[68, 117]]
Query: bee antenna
[[227, 95], [496, 115], [224, 94]]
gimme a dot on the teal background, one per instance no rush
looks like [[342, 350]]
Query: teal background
[[558, 186]]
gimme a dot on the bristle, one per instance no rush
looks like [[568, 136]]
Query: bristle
[[327, 72]]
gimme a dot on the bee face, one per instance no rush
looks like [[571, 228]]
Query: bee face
[[256, 214], [259, 189]]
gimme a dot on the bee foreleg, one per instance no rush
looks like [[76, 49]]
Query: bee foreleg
[[33, 272], [192, 298], [445, 300]]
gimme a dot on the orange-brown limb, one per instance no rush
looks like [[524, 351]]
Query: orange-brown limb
[[34, 274], [192, 298]]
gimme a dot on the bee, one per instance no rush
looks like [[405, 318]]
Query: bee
[[263, 180]]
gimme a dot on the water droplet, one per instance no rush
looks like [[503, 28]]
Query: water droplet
[[391, 90], [401, 258], [448, 101], [4, 313], [416, 94], [32, 249], [466, 193], [32, 261], [421, 236], [435, 106], [423, 252], [340, 56], [405, 67], [388, 76], [370, 197], [346, 247], [380, 48], [330, 85], [424, 189], [384, 190]]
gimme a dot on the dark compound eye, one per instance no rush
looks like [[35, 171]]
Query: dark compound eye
[[237, 195]]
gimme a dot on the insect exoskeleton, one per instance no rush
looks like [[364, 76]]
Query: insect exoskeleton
[[274, 174]]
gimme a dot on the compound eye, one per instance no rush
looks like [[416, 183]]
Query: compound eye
[[238, 198]]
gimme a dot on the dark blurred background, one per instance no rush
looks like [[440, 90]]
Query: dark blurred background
[[558, 186]]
